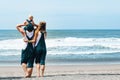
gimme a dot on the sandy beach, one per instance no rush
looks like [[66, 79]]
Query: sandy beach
[[65, 72]]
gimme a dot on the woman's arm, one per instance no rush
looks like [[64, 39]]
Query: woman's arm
[[45, 34]]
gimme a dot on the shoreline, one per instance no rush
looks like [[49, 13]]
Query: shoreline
[[61, 63], [66, 72]]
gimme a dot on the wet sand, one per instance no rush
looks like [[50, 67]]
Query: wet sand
[[65, 72]]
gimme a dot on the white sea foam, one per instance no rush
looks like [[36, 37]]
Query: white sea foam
[[11, 44], [69, 45], [70, 41]]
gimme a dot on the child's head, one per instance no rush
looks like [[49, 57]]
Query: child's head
[[30, 17]]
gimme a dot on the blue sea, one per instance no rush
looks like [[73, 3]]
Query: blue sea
[[66, 47]]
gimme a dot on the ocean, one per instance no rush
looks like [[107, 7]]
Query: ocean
[[66, 47]]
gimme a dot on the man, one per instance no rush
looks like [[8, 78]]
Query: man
[[27, 56]]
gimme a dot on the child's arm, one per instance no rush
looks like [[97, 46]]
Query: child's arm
[[34, 23]]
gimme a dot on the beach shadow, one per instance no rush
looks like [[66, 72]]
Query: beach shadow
[[77, 74], [22, 78], [101, 74], [10, 78], [15, 78]]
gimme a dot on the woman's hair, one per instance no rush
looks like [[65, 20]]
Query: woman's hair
[[42, 26]]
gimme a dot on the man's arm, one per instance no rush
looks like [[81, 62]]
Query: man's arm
[[20, 29]]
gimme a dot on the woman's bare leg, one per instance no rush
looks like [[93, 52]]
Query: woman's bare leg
[[42, 69]]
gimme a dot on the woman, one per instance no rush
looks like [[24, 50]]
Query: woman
[[40, 48], [27, 56]]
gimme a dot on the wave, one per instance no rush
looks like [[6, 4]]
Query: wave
[[68, 45], [71, 41], [11, 44]]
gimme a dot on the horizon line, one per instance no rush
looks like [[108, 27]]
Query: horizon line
[[69, 29]]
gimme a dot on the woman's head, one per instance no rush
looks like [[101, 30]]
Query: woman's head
[[42, 26]]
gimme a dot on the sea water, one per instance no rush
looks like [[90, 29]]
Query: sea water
[[66, 47]]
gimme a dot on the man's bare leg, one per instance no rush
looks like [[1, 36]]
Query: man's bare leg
[[24, 66], [29, 70], [38, 69]]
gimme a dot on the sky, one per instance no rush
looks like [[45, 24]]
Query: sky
[[62, 14]]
